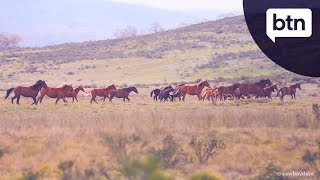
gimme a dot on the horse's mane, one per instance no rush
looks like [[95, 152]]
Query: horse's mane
[[235, 86], [111, 86], [295, 85], [66, 85], [128, 89], [36, 85]]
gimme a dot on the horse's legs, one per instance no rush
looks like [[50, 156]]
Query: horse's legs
[[294, 95], [13, 98], [75, 98], [39, 99], [57, 100], [64, 100], [199, 97], [18, 100], [34, 101], [92, 99], [183, 97], [128, 99]]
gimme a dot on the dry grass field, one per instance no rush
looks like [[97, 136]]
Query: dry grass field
[[256, 132]]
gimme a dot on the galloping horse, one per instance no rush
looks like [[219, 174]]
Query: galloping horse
[[164, 93], [101, 93], [156, 93], [58, 93], [75, 93], [209, 94], [267, 91], [176, 93], [31, 91], [289, 91], [227, 90], [123, 93], [194, 90], [253, 89]]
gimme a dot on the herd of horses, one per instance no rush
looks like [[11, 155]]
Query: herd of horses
[[261, 89]]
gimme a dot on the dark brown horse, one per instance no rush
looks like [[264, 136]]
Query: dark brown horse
[[194, 90], [31, 91], [58, 93], [155, 93], [267, 91], [255, 89], [227, 90], [291, 90], [75, 93], [101, 93], [164, 93], [123, 93]]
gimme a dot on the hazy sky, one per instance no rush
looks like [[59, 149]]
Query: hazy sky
[[188, 5], [49, 22]]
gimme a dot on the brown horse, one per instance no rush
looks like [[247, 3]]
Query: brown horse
[[31, 91], [75, 93], [123, 93], [291, 90], [253, 89], [267, 91], [194, 90], [101, 93], [237, 94], [58, 93], [227, 90]]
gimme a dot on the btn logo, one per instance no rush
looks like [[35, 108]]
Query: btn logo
[[289, 23], [287, 32]]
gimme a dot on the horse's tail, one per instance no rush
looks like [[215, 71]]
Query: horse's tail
[[9, 91], [151, 94]]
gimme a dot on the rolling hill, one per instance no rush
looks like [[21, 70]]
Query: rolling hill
[[221, 51]]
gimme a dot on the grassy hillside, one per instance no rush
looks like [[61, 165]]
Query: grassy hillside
[[112, 140], [222, 51]]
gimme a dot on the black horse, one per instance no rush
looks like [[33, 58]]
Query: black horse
[[156, 93], [165, 94]]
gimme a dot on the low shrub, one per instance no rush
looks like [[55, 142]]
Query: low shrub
[[206, 147]]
